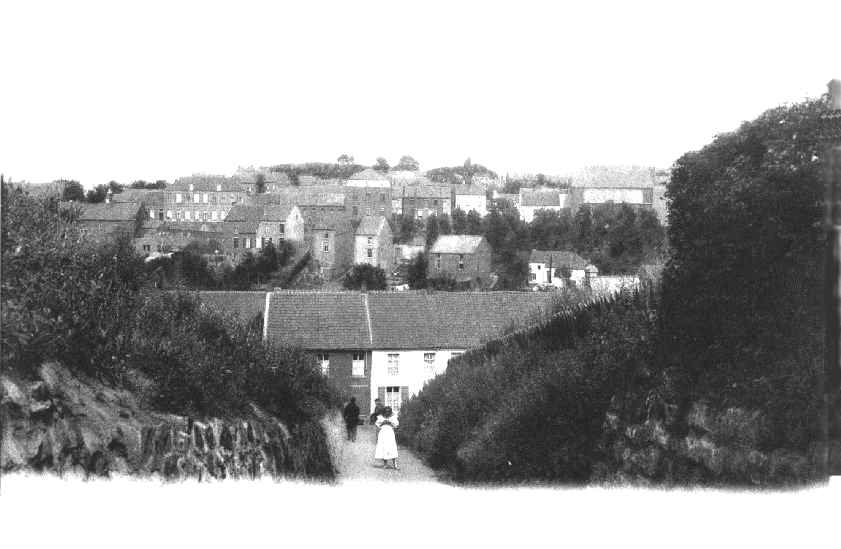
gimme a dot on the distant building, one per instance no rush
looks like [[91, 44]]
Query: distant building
[[422, 201], [249, 178], [374, 243], [470, 198], [559, 268], [152, 200], [203, 198], [466, 258], [109, 219], [330, 238], [368, 193], [281, 223], [533, 200], [619, 184]]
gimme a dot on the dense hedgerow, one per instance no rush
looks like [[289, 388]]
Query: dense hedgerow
[[530, 407], [92, 307]]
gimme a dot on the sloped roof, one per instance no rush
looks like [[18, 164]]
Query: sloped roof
[[558, 258], [540, 198], [322, 195], [277, 212], [315, 219], [247, 305], [206, 183], [318, 320], [615, 177], [244, 212], [114, 211], [369, 174], [456, 244], [239, 227], [370, 224], [398, 320], [152, 198], [468, 190], [427, 191]]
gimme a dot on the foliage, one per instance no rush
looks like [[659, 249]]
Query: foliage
[[341, 170], [381, 165], [416, 275], [72, 190], [363, 276], [407, 163], [141, 184], [459, 174], [405, 227], [345, 160]]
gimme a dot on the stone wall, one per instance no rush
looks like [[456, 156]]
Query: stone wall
[[61, 424]]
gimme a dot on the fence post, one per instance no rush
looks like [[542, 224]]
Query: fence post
[[832, 288]]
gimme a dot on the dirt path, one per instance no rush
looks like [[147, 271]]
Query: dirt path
[[355, 460]]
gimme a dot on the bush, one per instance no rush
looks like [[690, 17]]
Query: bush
[[363, 276]]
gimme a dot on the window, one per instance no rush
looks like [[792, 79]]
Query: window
[[191, 187], [281, 228], [196, 198], [532, 276], [392, 398], [370, 240], [186, 215], [355, 211], [161, 215], [214, 216], [247, 242], [147, 248], [169, 214], [371, 253], [177, 198], [324, 362], [358, 365], [178, 215], [326, 236], [204, 198], [455, 354], [218, 187], [429, 362], [236, 242], [460, 262], [437, 262], [393, 364], [382, 197], [325, 246], [151, 214]]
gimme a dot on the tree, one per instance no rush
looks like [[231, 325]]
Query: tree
[[97, 194], [363, 276], [260, 183], [416, 275], [345, 160], [72, 191], [432, 230], [381, 165], [460, 222], [407, 163]]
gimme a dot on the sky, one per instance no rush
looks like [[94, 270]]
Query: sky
[[96, 91]]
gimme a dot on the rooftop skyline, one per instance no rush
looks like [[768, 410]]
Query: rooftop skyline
[[96, 92]]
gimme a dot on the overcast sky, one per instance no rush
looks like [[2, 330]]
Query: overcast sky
[[95, 91]]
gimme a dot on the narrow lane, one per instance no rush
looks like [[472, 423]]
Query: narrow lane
[[355, 460]]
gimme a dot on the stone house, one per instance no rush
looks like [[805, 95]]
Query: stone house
[[388, 345], [533, 200], [108, 219], [619, 184], [560, 269], [470, 197], [281, 223], [330, 238], [422, 201], [373, 243], [203, 198], [368, 193], [152, 200], [466, 258]]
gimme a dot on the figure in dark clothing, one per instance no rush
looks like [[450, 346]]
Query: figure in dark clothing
[[378, 410], [351, 418]]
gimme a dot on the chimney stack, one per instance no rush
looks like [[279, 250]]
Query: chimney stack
[[834, 94]]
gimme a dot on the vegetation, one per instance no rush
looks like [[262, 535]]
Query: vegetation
[[459, 174], [343, 169], [407, 163], [363, 276], [92, 307]]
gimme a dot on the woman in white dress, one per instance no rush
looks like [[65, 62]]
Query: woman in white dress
[[386, 443]]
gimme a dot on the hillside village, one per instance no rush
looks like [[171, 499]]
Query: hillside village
[[334, 223]]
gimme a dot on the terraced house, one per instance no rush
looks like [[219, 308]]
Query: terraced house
[[203, 198], [388, 345]]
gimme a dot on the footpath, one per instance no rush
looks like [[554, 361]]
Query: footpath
[[355, 460]]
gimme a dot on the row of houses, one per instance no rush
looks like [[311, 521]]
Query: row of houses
[[385, 345]]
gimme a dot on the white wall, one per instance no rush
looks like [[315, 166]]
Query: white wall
[[527, 212], [539, 270], [412, 371], [598, 196], [606, 285], [467, 202], [373, 183]]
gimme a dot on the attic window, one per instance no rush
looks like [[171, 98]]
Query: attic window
[[218, 187], [460, 262]]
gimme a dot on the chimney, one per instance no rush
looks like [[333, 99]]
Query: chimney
[[834, 94]]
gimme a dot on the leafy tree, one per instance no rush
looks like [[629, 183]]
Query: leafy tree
[[97, 194], [345, 160], [115, 187], [407, 163], [72, 191], [433, 230], [381, 165], [363, 276], [416, 276], [460, 222]]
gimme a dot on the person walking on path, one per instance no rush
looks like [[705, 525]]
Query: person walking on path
[[351, 415], [386, 449]]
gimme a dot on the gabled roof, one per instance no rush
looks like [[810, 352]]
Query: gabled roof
[[615, 177], [371, 224], [427, 191], [540, 198], [152, 198], [243, 212], [398, 320], [456, 244], [277, 212], [369, 174], [558, 258], [468, 190], [114, 211], [205, 183], [316, 219], [247, 305]]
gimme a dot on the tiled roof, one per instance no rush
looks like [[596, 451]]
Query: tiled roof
[[239, 227], [468, 190], [398, 320], [535, 198], [205, 183], [370, 224], [615, 177], [558, 258], [242, 212], [277, 212], [148, 197], [456, 244], [318, 320], [369, 174], [315, 219], [202, 228], [247, 305], [114, 211], [427, 191], [322, 195]]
